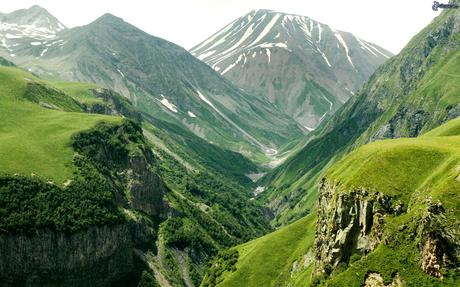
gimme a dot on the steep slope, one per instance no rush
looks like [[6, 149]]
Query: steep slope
[[180, 143], [79, 179], [162, 80], [282, 258], [410, 94], [68, 215], [388, 215], [304, 67], [391, 211]]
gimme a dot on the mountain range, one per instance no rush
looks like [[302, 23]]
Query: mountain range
[[278, 152], [162, 79]]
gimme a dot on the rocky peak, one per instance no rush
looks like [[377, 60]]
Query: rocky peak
[[36, 17]]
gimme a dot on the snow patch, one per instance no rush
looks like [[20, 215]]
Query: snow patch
[[320, 32], [365, 47], [240, 58], [204, 99], [43, 52], [168, 104], [344, 45], [378, 51], [121, 73], [259, 190], [192, 115], [11, 36], [330, 107], [308, 128], [205, 55], [268, 55], [324, 57], [266, 29], [350, 91], [35, 43], [214, 37]]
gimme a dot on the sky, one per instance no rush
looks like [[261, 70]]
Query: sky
[[387, 23]]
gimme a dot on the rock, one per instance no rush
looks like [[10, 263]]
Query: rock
[[376, 280], [98, 256], [348, 223], [432, 255]]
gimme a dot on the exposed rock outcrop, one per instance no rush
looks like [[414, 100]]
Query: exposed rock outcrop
[[376, 280], [352, 222], [348, 223], [98, 256]]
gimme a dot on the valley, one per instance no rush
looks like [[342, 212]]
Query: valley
[[279, 151]]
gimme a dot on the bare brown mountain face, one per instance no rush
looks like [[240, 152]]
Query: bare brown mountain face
[[306, 68]]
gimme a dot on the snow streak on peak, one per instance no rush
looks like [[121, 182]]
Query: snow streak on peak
[[267, 32], [344, 45]]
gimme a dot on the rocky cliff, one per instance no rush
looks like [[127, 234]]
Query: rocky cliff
[[97, 256], [389, 212], [347, 224], [88, 240], [353, 224]]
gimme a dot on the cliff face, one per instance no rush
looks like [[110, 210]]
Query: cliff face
[[97, 256], [115, 161], [347, 224], [356, 222]]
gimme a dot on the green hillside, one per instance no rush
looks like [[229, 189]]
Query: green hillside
[[421, 176], [412, 93], [80, 91], [36, 126], [49, 130], [282, 257]]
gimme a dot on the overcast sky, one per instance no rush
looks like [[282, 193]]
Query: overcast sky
[[388, 23]]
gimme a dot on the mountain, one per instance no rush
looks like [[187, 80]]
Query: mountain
[[162, 79], [88, 176], [25, 29], [387, 215], [412, 93], [306, 68], [34, 18]]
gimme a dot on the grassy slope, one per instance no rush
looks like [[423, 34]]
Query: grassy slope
[[79, 91], [35, 139], [268, 261], [410, 171]]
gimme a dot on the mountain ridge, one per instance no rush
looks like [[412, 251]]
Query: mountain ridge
[[304, 67]]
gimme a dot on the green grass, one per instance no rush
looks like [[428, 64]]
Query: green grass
[[451, 128], [34, 139], [410, 171], [268, 261], [79, 91], [396, 167]]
